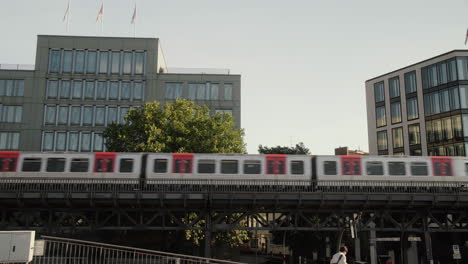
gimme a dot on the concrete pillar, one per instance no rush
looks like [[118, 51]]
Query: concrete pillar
[[208, 236], [373, 244], [427, 242], [357, 249]]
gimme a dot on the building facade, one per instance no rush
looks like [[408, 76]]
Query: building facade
[[347, 151], [79, 85], [421, 109]]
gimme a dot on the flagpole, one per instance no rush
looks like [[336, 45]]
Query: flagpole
[[68, 15]]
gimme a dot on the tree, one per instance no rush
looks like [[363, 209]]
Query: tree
[[178, 127], [181, 126], [298, 149]]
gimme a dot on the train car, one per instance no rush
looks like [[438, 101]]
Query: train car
[[102, 166], [228, 168], [389, 170]]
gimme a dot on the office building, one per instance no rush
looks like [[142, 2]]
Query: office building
[[79, 85], [421, 109]]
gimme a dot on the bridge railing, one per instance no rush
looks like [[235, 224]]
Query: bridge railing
[[65, 250], [224, 185]]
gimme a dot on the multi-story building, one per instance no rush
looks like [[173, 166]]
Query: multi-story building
[[79, 85], [421, 109], [347, 151]]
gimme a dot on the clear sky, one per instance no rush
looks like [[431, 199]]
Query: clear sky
[[303, 62]]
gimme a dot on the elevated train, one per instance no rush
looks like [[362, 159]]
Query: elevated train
[[290, 169]]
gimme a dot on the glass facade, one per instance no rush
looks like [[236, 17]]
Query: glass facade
[[394, 87], [414, 135], [410, 82], [412, 108], [9, 140], [11, 87], [380, 116], [396, 112], [11, 113], [382, 143], [397, 137]]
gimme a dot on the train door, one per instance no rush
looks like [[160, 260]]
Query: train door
[[275, 164], [442, 166], [104, 162], [8, 161], [350, 165], [182, 162]]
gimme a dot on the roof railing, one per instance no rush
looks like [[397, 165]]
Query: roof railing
[[17, 67]]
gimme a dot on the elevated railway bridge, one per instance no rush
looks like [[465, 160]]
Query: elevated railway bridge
[[52, 206]]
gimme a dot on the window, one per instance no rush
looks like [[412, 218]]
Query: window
[[396, 168], [193, 89], [89, 90], [452, 70], [160, 166], [123, 113], [212, 91], [206, 166], [114, 90], [442, 69], [73, 141], [11, 113], [103, 58], [85, 142], [419, 169], [414, 135], [139, 62], [79, 165], [382, 140], [63, 115], [379, 93], [173, 90], [51, 112], [65, 89], [126, 165], [115, 62], [412, 108], [437, 130], [31, 164], [329, 167], [380, 116], [101, 91], [91, 63], [397, 137], [61, 143], [415, 152], [87, 115], [442, 168], [126, 90], [138, 91], [77, 86], [297, 167], [55, 165], [457, 126], [227, 91], [75, 115], [67, 61], [111, 115], [444, 101], [462, 68], [9, 140], [394, 86], [410, 82], [183, 166], [48, 141], [396, 112], [447, 131], [54, 64], [52, 89], [127, 63], [98, 142], [11, 87], [374, 168], [100, 114], [79, 61], [454, 98], [229, 166], [252, 167]]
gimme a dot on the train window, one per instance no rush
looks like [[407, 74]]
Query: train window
[[7, 164], [31, 164], [79, 165], [442, 168], [374, 168], [55, 165], [126, 165], [252, 167], [396, 168], [229, 166], [329, 167], [183, 166], [206, 166], [466, 168], [297, 167], [104, 165], [279, 165], [419, 169], [160, 166]]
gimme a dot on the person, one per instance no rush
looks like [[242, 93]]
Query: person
[[340, 257]]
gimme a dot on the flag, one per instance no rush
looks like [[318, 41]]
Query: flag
[[134, 15], [100, 13], [65, 16], [466, 37]]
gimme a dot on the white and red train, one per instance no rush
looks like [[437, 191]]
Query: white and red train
[[232, 167]]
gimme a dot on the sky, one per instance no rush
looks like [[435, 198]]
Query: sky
[[303, 63]]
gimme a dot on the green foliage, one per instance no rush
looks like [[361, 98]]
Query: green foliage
[[298, 149], [181, 126]]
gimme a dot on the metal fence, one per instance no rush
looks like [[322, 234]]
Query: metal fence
[[66, 185], [70, 251]]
